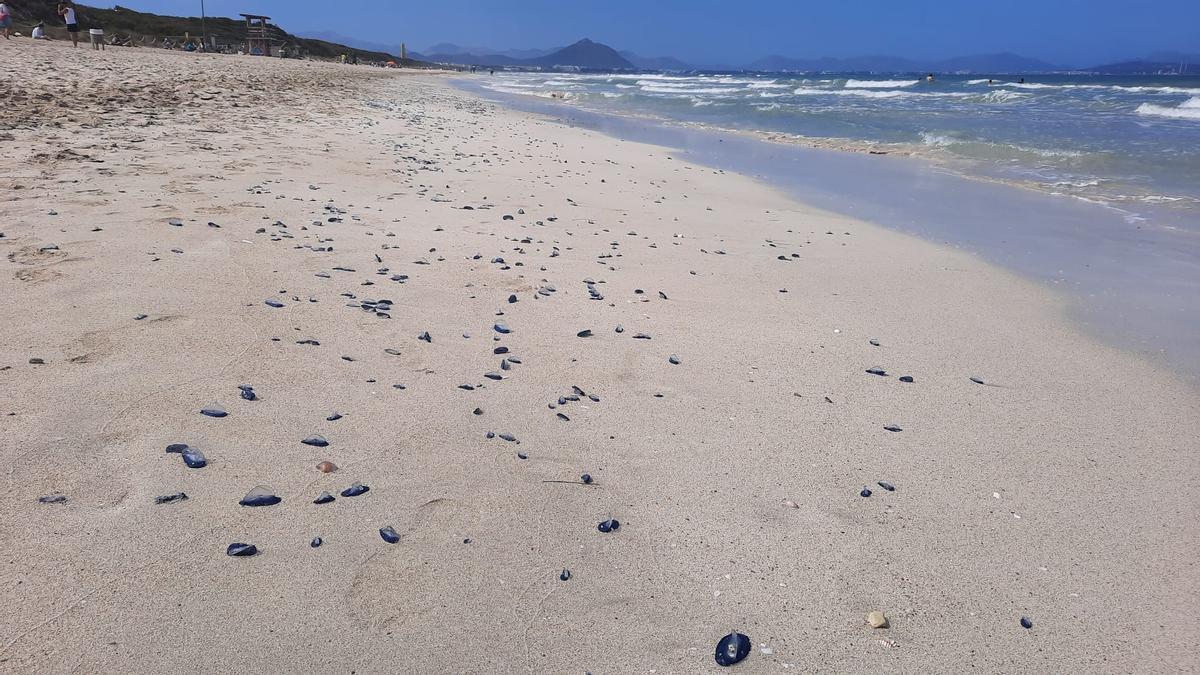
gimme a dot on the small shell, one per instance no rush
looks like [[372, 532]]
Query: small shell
[[327, 467]]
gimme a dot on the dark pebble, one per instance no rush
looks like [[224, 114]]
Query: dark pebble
[[315, 542], [249, 395], [563, 417], [877, 371], [260, 496], [907, 378], [425, 336], [355, 490], [213, 412], [512, 298], [500, 350], [477, 411], [564, 575], [584, 333], [508, 437], [167, 499], [273, 303], [53, 499], [177, 447], [732, 649], [586, 478], [866, 492], [1026, 622], [194, 459], [610, 525], [893, 428], [334, 417], [976, 380], [674, 360], [323, 498], [316, 441], [241, 550], [389, 534], [887, 486]]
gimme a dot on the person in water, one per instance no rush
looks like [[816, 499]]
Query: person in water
[[929, 77]]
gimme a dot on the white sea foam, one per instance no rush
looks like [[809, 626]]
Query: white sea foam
[[772, 84], [865, 93], [984, 81], [879, 84], [943, 141], [665, 89], [1001, 96], [1188, 110]]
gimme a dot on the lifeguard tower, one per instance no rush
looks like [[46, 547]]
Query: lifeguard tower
[[259, 35]]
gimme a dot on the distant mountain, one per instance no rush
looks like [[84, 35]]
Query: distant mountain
[[330, 36], [982, 63], [655, 62], [1176, 57], [584, 54], [463, 59], [1004, 62], [451, 49], [1148, 68]]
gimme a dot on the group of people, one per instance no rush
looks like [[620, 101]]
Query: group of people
[[66, 10]]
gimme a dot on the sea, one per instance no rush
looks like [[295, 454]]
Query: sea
[[1124, 141], [1089, 184]]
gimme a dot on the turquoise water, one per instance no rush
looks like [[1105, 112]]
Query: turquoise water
[[1126, 142]]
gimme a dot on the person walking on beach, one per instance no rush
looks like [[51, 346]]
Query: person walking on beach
[[67, 11], [5, 19]]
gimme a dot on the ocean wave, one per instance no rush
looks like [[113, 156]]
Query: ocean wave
[[771, 84], [865, 93], [1188, 110], [1000, 96], [1114, 88], [1190, 91], [879, 84], [664, 89], [1035, 85], [942, 141]]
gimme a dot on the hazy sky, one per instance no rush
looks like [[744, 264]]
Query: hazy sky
[[1068, 32]]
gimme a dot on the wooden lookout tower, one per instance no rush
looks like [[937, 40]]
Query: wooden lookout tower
[[259, 36]]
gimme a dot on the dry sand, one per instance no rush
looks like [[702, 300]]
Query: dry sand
[[1065, 493]]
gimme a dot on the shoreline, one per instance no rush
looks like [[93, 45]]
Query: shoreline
[[732, 440], [1155, 321]]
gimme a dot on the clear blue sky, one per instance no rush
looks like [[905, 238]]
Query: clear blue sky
[[1069, 32]]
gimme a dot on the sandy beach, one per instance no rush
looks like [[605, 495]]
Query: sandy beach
[[153, 202]]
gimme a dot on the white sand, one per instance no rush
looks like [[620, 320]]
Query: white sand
[[1065, 494]]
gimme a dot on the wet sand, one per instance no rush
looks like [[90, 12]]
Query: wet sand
[[192, 189]]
